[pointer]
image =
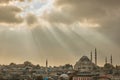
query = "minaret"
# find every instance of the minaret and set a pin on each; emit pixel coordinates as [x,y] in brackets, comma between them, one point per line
[106,60]
[111,60]
[46,66]
[91,56]
[95,56]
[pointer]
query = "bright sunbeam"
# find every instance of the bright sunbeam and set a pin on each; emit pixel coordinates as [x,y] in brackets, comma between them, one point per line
[75,39]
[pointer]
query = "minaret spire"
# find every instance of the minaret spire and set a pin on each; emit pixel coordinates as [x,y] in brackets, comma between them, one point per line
[95,56]
[111,60]
[46,63]
[91,56]
[106,60]
[46,66]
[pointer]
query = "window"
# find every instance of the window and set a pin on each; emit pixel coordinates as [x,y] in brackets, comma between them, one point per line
[83,67]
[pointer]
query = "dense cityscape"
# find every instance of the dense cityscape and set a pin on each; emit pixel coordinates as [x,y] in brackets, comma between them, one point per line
[84,69]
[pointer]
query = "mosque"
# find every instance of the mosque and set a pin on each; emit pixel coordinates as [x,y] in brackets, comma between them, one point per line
[88,69]
[85,64]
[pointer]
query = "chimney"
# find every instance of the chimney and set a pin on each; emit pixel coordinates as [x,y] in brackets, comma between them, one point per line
[95,56]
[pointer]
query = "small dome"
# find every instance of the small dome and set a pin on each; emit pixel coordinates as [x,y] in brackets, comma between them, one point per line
[65,76]
[108,65]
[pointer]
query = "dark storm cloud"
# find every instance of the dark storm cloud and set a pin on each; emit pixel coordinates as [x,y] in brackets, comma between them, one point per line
[77,10]
[7,1]
[4,1]
[31,19]
[9,14]
[102,12]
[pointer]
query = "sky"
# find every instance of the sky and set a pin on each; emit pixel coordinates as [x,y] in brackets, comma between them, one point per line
[61,31]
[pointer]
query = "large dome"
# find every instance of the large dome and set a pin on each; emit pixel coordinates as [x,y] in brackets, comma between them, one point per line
[84,58]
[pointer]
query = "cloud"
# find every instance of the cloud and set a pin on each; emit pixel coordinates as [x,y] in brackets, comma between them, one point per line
[10,14]
[74,11]
[4,1]
[100,12]
[31,19]
[70,11]
[57,17]
[7,1]
[16,14]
